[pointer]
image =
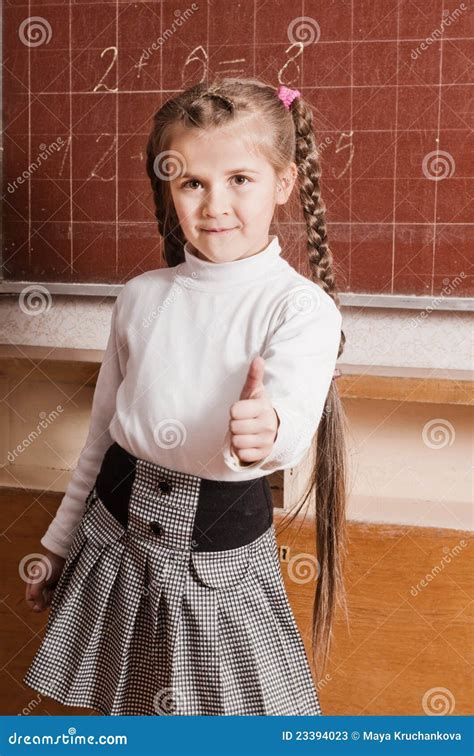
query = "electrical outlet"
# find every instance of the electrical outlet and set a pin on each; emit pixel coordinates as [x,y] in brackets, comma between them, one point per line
[284,553]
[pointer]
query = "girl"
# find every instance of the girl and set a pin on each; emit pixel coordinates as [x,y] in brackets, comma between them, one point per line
[162,562]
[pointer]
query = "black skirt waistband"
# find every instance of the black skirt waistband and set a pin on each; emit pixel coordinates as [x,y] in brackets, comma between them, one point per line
[228,514]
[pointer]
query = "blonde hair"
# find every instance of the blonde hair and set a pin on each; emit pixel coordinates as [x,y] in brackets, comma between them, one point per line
[287,136]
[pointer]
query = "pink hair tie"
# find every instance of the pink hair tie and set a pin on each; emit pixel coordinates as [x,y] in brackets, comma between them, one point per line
[287,95]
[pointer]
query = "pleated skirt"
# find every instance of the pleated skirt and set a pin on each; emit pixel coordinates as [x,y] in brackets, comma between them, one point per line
[159,612]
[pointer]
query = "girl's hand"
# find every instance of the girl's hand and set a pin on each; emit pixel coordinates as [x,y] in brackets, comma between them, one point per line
[40,593]
[254,423]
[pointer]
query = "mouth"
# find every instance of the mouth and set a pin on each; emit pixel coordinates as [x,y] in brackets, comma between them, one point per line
[218,230]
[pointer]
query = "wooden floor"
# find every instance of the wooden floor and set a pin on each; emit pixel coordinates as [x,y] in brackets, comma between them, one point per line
[408,648]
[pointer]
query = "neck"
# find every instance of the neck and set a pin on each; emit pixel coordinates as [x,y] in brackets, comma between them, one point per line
[246,270]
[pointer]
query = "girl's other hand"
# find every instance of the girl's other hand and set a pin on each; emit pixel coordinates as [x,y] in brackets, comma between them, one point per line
[254,422]
[39,593]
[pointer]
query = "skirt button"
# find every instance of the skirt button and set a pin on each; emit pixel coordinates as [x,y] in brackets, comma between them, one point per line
[164,486]
[156,527]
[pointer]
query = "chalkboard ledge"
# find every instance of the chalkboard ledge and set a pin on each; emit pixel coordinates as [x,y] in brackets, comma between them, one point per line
[357,381]
[348,299]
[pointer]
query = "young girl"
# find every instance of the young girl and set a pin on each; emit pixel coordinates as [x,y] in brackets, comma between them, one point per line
[167,593]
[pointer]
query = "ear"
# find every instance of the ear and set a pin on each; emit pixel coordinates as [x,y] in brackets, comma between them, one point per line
[285,183]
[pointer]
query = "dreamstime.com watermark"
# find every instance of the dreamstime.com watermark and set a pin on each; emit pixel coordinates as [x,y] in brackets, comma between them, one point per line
[448,288]
[438,433]
[303,30]
[292,448]
[30,706]
[67,738]
[168,701]
[447,558]
[303,299]
[437,33]
[324,682]
[175,292]
[175,26]
[438,165]
[35,299]
[44,423]
[327,142]
[438,702]
[46,151]
[35,31]
[303,568]
[170,433]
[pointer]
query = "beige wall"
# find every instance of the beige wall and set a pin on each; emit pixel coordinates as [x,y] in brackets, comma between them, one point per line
[409,462]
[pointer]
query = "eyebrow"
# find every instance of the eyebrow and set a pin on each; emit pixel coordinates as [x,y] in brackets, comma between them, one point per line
[228,173]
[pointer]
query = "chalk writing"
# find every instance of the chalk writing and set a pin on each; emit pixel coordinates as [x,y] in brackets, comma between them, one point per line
[101,83]
[104,157]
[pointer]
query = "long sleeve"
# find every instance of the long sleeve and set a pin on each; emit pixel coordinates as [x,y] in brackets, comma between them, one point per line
[300,358]
[60,532]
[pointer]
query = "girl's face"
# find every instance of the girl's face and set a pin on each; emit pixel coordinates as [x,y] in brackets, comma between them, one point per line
[224,186]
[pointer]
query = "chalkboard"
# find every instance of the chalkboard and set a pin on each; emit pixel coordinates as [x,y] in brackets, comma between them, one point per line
[389,81]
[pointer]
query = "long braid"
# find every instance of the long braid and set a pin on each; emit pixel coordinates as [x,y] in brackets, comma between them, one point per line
[314,209]
[329,476]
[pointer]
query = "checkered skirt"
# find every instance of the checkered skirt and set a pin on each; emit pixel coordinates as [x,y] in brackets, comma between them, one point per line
[144,625]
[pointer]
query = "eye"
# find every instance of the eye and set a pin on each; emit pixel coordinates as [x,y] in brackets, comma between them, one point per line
[243,177]
[237,176]
[191,181]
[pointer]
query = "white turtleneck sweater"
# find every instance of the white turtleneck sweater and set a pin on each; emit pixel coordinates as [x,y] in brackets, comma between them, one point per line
[180,344]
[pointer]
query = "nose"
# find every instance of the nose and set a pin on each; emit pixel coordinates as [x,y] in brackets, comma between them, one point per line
[215,203]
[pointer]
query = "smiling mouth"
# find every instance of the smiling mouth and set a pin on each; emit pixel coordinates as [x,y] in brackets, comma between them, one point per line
[217,230]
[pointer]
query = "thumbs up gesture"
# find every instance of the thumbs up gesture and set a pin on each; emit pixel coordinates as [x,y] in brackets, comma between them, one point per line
[254,423]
